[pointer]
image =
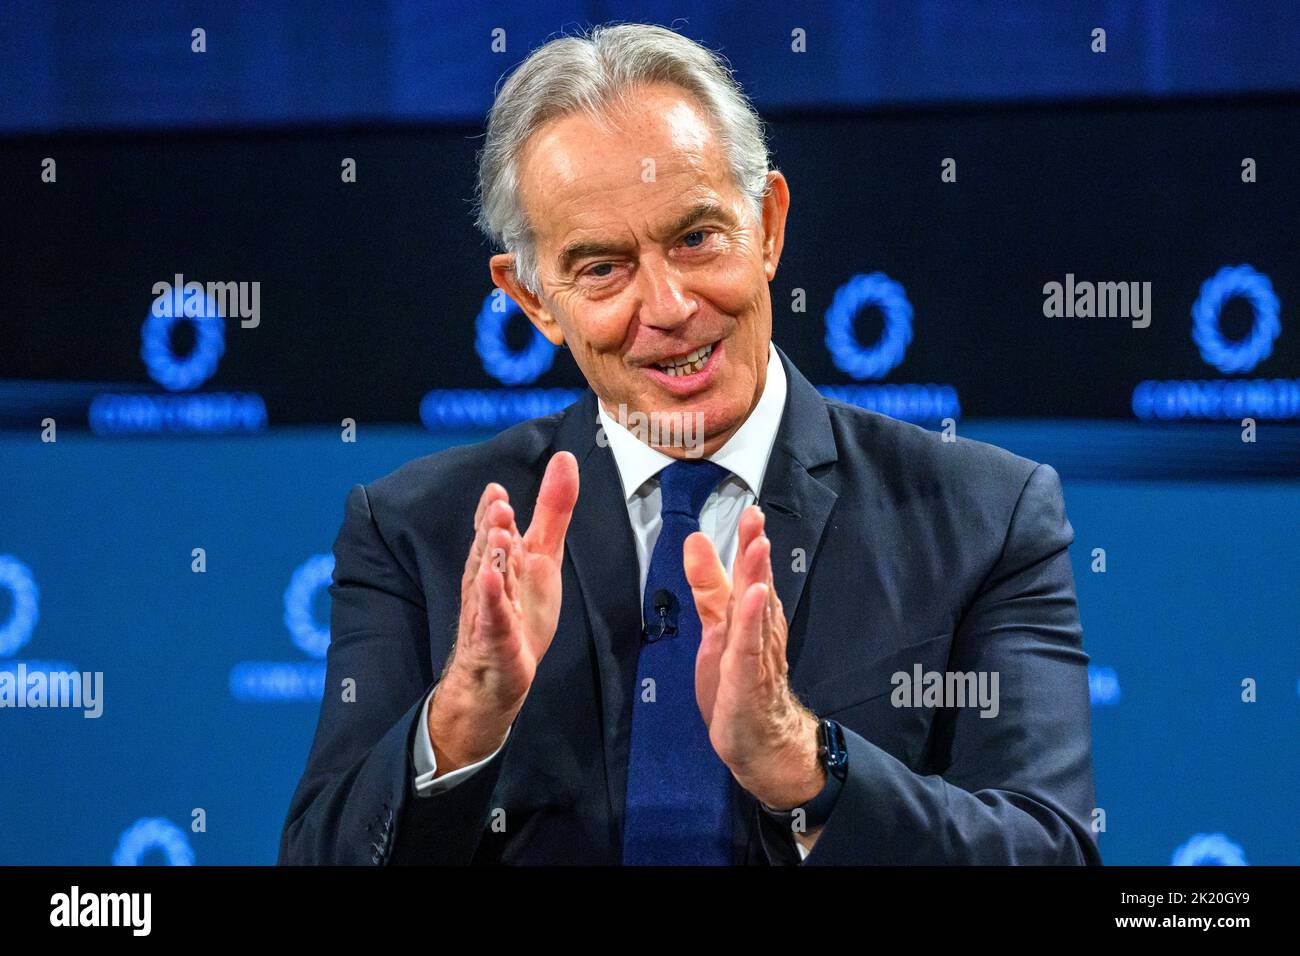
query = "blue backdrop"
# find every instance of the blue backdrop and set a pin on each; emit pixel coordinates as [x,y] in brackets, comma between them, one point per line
[1199,593]
[82,64]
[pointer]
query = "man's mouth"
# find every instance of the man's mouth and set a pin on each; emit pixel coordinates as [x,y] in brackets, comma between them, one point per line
[687,364]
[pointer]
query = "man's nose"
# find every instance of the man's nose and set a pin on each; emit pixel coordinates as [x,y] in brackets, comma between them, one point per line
[665,301]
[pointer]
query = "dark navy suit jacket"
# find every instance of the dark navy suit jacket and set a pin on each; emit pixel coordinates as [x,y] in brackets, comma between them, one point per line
[950,555]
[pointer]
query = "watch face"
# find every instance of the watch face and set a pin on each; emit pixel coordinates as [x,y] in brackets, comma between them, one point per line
[832,751]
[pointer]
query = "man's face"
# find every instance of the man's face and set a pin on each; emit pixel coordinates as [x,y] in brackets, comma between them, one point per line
[649,255]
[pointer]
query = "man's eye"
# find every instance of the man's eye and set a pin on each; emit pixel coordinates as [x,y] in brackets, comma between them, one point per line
[702,233]
[600,265]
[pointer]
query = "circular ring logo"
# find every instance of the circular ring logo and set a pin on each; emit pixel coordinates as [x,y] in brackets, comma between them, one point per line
[1209,849]
[153,833]
[507,367]
[16,578]
[312,575]
[847,352]
[1255,288]
[174,373]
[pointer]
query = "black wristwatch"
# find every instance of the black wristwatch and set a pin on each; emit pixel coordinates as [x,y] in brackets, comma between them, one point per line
[834,758]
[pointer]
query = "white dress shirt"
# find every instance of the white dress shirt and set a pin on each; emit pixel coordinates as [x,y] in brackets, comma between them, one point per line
[745,456]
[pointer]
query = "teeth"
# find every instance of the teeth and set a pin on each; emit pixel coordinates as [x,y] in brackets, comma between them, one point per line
[688,364]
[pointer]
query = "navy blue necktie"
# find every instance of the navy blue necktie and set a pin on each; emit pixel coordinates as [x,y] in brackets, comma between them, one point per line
[678,790]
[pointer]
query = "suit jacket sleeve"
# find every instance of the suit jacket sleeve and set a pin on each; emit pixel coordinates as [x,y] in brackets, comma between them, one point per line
[356,802]
[1016,788]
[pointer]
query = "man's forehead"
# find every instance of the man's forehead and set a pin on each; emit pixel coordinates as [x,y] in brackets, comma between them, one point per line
[643,210]
[577,175]
[661,122]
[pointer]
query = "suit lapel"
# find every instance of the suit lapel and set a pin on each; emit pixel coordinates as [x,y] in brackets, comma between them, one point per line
[602,550]
[797,498]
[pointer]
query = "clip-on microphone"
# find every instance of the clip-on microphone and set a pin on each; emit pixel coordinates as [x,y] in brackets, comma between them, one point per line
[665,605]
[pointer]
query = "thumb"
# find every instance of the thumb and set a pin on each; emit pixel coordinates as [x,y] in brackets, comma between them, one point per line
[556,499]
[707,578]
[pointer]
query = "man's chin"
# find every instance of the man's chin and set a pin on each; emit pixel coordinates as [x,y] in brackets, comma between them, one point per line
[713,430]
[680,429]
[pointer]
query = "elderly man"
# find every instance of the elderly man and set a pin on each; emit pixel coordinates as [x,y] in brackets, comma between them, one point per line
[708,654]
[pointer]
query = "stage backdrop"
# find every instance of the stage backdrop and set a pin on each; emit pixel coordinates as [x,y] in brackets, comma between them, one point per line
[211,681]
[1096,261]
[1110,287]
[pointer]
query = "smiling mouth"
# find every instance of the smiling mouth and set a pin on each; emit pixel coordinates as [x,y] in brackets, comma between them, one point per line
[687,364]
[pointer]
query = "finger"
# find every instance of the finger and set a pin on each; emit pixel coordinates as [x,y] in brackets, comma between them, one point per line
[501,544]
[516,580]
[497,515]
[742,658]
[710,590]
[774,638]
[556,499]
[754,566]
[483,515]
[752,521]
[506,519]
[774,599]
[708,664]
[491,492]
[775,632]
[493,609]
[707,578]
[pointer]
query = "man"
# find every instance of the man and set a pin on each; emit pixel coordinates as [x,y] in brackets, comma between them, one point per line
[700,656]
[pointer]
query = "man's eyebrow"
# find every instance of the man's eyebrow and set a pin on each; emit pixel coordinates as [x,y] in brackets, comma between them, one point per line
[704,209]
[578,251]
[590,249]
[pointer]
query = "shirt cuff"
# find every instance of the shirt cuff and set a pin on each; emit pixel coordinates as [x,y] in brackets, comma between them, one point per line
[426,764]
[789,834]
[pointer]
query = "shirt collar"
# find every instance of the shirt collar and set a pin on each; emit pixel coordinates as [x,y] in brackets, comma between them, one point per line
[745,454]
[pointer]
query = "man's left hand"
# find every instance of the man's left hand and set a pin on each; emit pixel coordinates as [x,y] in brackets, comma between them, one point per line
[756,724]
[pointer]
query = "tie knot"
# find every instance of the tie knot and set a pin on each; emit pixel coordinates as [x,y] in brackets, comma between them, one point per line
[685,486]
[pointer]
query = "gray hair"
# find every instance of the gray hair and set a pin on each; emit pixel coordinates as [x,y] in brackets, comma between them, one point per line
[594,73]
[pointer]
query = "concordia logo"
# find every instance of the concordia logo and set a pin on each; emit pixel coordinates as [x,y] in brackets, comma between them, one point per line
[293,680]
[153,833]
[1226,399]
[172,412]
[446,410]
[1209,849]
[912,403]
[16,630]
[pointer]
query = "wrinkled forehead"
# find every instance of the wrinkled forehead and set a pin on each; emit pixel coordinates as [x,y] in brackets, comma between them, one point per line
[651,155]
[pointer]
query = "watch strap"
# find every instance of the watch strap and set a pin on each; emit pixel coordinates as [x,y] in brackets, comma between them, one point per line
[833,756]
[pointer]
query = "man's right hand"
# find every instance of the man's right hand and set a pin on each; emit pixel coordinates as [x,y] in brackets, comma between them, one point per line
[509,610]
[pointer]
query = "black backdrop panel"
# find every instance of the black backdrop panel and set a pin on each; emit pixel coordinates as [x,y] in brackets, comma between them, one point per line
[369,291]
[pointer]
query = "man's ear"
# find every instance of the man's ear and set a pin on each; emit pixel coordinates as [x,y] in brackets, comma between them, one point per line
[776,205]
[502,267]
